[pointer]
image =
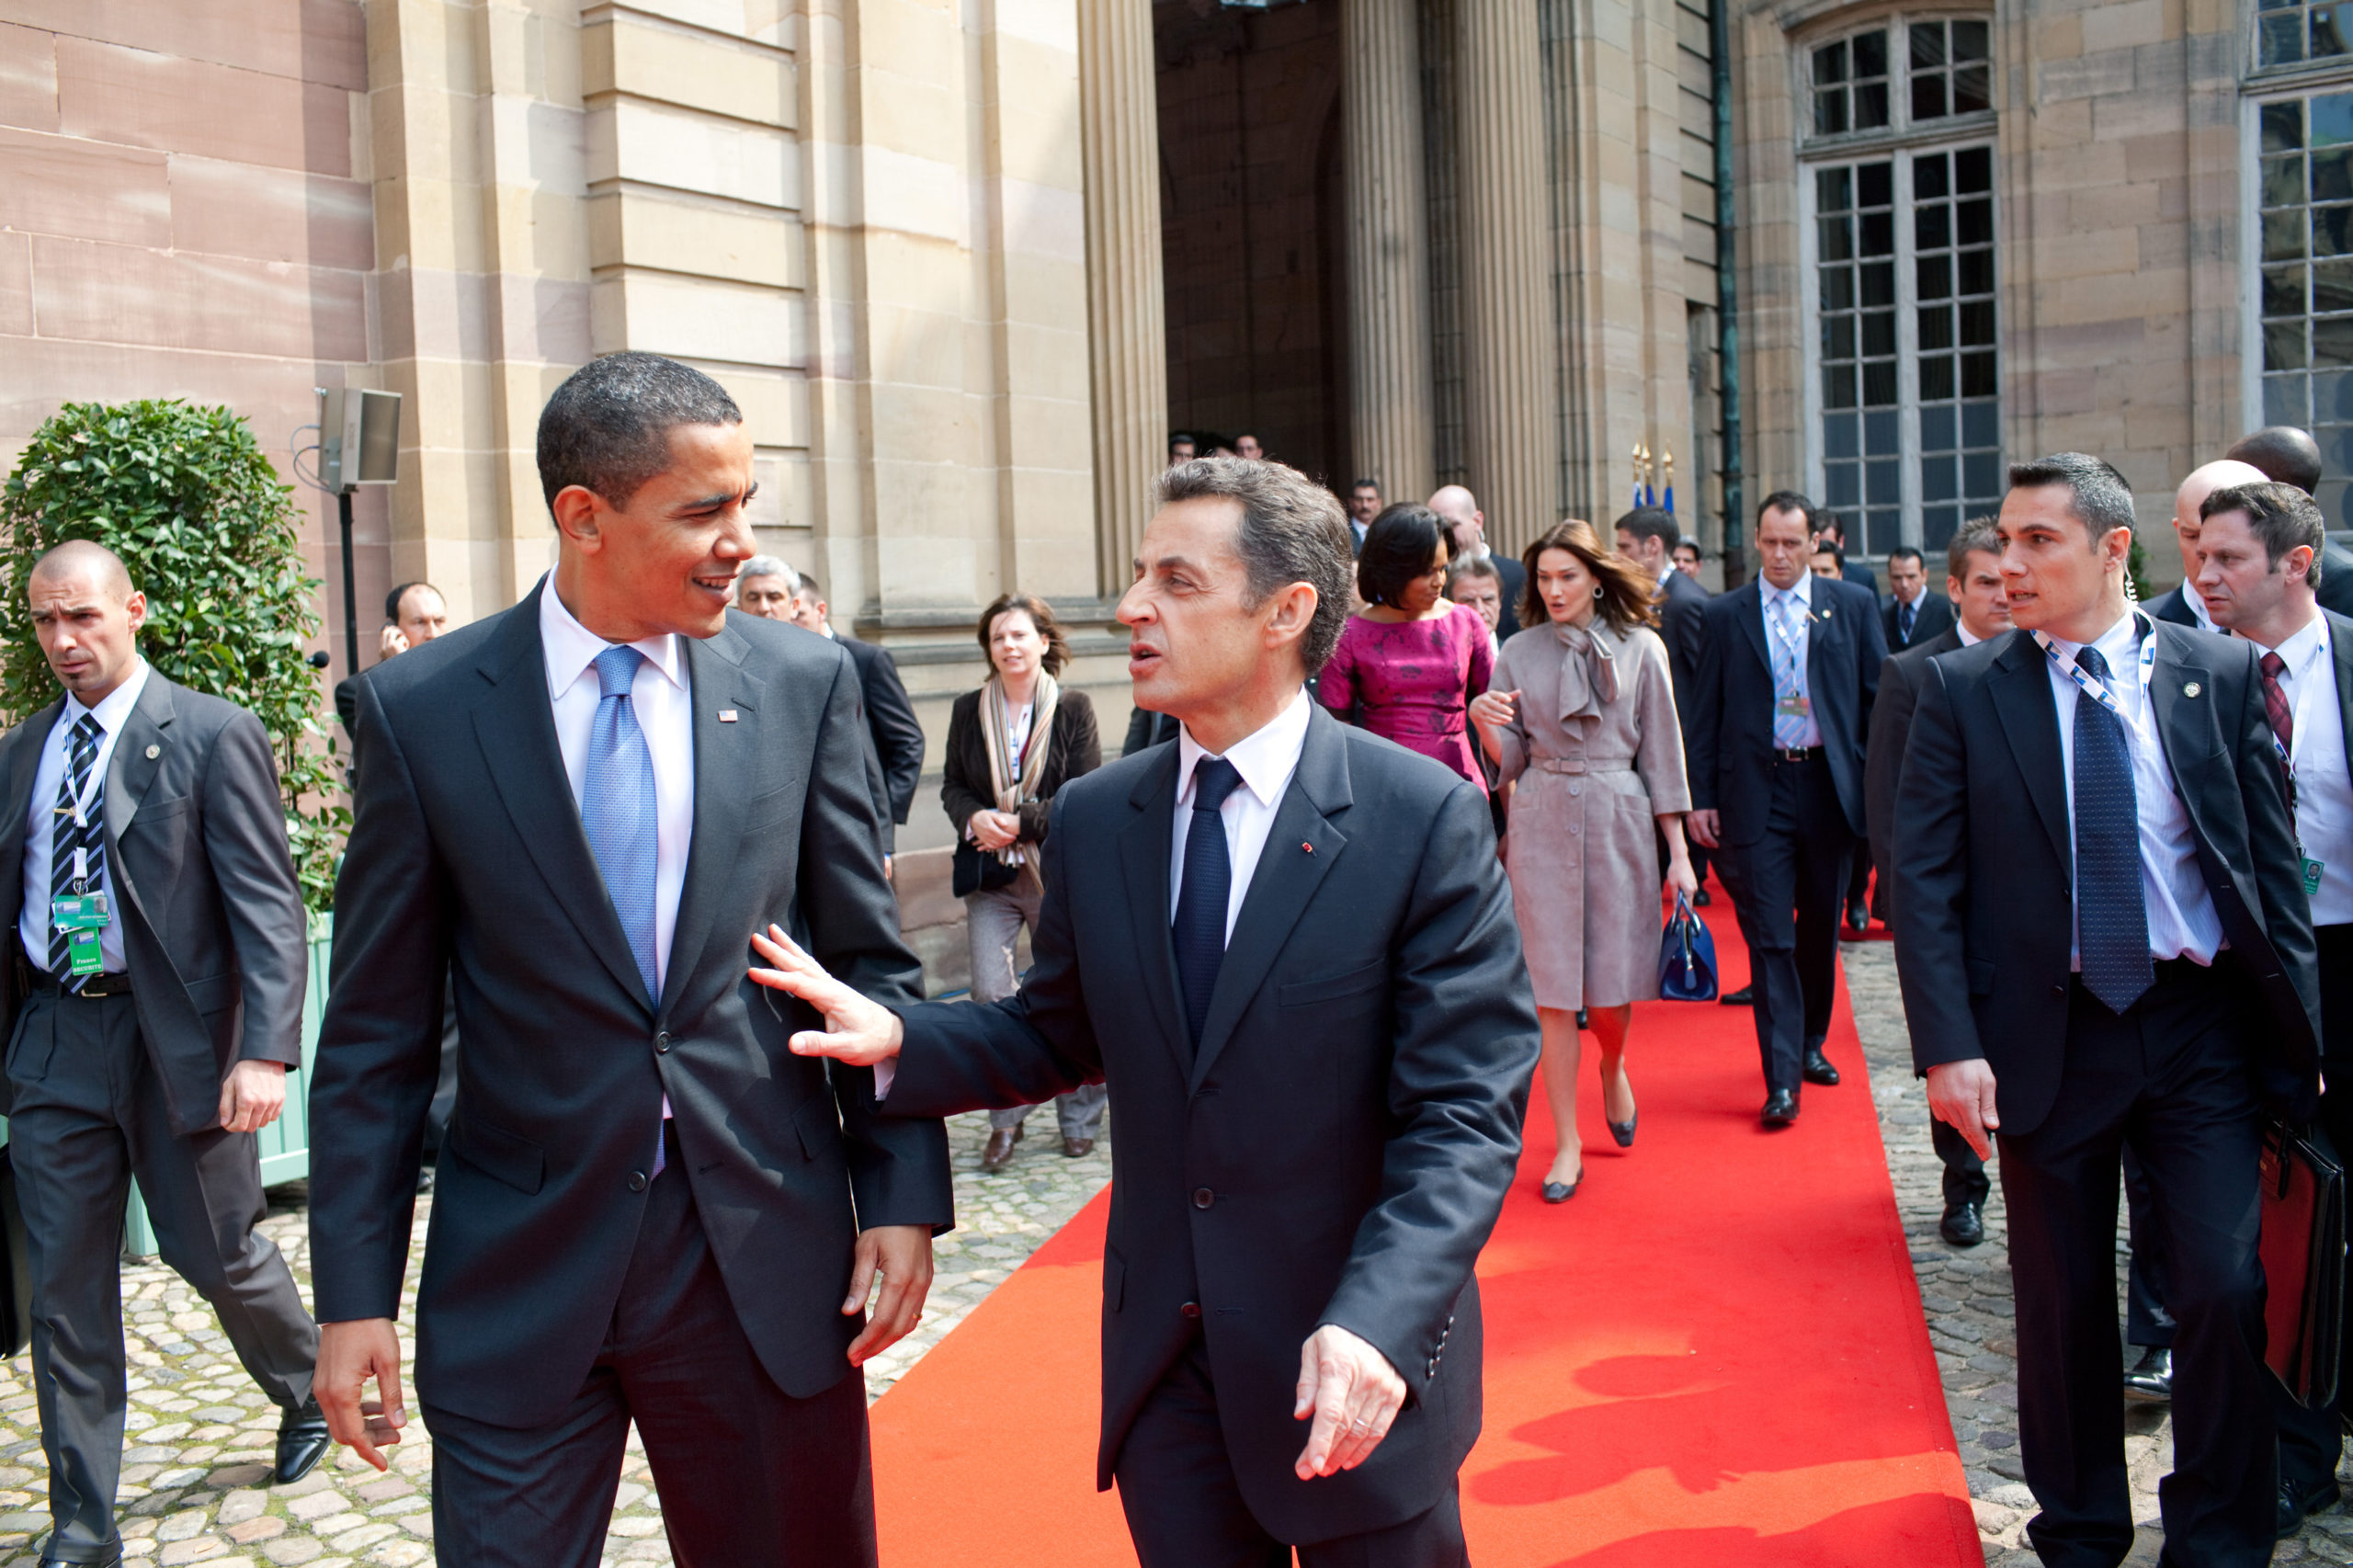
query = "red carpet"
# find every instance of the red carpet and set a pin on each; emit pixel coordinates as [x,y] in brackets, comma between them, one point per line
[1713,1354]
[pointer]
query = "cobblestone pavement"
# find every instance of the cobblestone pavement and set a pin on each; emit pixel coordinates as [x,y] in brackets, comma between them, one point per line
[1966,1292]
[201,1437]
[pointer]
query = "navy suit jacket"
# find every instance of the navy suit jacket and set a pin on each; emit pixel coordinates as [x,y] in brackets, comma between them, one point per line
[1985,874]
[1731,726]
[1336,1148]
[1930,620]
[1683,626]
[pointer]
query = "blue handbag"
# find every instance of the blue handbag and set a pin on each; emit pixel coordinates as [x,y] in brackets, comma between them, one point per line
[1687,957]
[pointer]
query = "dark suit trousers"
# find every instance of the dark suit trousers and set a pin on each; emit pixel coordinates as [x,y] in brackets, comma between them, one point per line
[1801,864]
[2172,1078]
[2312,1441]
[89,1115]
[1185,1509]
[749,1476]
[1965,1178]
[2146,1322]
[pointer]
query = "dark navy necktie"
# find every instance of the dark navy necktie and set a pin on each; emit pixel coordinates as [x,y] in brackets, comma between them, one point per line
[1904,618]
[79,824]
[2111,919]
[1200,931]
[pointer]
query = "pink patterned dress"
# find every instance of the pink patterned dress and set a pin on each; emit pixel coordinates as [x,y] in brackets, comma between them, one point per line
[1412,682]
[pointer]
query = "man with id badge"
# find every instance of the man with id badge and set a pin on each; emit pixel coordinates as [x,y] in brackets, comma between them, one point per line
[2259,575]
[156,1002]
[2099,920]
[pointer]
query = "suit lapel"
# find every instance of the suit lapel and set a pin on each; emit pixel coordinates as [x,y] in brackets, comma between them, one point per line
[516,724]
[726,758]
[2340,653]
[1822,629]
[139,754]
[1145,846]
[2020,688]
[1287,874]
[1751,616]
[2181,698]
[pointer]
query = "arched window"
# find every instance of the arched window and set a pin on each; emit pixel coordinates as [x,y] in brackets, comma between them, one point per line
[1903,397]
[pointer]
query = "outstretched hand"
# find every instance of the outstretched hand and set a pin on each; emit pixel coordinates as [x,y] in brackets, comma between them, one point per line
[856,1031]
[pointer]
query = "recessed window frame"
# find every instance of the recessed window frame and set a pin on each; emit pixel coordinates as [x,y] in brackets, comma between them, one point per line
[1900,122]
[2292,85]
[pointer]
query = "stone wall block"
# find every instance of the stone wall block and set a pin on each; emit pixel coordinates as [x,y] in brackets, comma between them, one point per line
[16,285]
[27,78]
[62,186]
[320,40]
[690,70]
[271,214]
[110,94]
[124,294]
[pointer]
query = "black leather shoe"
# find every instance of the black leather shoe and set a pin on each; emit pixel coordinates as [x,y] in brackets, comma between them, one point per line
[303,1441]
[1858,919]
[2151,1378]
[1702,899]
[1740,998]
[998,1153]
[106,1557]
[1623,1131]
[1780,1108]
[1962,1225]
[1562,1191]
[1077,1148]
[1818,1069]
[2298,1503]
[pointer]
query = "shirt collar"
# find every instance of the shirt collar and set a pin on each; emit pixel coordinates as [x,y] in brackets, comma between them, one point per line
[2309,643]
[113,709]
[1801,591]
[1967,639]
[2119,644]
[572,648]
[1265,758]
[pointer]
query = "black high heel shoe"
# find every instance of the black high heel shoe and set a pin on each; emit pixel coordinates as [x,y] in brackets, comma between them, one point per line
[1562,1191]
[1623,1131]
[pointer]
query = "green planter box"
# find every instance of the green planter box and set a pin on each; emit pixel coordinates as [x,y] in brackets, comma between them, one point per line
[286,1143]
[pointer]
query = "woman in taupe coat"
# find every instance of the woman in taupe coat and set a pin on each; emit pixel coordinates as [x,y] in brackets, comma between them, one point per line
[1580,721]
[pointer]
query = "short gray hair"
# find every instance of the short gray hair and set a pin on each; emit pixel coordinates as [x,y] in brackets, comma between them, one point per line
[2102,500]
[769,566]
[2281,515]
[1292,531]
[607,428]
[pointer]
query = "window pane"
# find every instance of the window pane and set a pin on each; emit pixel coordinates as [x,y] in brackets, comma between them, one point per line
[1838,287]
[2332,343]
[1839,338]
[1833,190]
[1839,386]
[1980,426]
[2283,290]
[1839,244]
[1878,233]
[1830,62]
[1932,225]
[2332,120]
[1870,54]
[1977,324]
[2283,400]
[1882,435]
[1927,97]
[1874,184]
[1977,378]
[1845,483]
[2283,127]
[2332,398]
[1936,376]
[1937,525]
[1879,283]
[1973,169]
[2283,237]
[1838,437]
[1879,384]
[1976,271]
[1981,474]
[2283,180]
[2332,231]
[1830,112]
[1969,42]
[1879,334]
[2280,40]
[1928,44]
[1975,221]
[1936,427]
[1936,329]
[2283,345]
[1870,106]
[1882,482]
[2328,37]
[1939,479]
[1931,176]
[1934,276]
[1973,89]
[1883,531]
[2331,175]
[2332,288]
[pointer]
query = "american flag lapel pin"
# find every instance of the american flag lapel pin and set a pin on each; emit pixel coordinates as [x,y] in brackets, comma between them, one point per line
[727,715]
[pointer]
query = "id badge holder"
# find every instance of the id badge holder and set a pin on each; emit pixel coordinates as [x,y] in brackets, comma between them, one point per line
[81,916]
[2311,870]
[1793,706]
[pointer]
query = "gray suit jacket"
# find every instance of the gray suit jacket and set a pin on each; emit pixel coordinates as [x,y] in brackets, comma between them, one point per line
[212,923]
[468,859]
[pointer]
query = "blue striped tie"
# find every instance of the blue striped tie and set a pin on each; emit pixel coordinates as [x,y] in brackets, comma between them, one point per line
[1788,729]
[76,829]
[618,811]
[2111,916]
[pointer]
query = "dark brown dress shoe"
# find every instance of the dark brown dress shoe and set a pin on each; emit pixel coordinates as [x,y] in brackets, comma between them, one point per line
[1078,1148]
[999,1152]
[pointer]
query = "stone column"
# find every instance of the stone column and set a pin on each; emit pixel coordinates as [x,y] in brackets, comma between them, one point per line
[1510,399]
[1126,318]
[1392,410]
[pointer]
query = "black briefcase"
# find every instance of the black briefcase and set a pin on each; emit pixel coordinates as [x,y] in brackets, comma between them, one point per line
[2303,1264]
[17,1299]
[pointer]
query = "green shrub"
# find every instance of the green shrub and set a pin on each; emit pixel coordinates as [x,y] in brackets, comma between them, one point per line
[186,497]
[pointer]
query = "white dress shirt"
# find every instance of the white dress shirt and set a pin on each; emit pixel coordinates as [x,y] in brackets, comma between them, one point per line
[112,712]
[665,711]
[2182,922]
[1803,619]
[2323,787]
[1265,759]
[1969,639]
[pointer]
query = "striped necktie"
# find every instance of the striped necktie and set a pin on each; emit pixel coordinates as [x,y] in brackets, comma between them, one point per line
[2111,911]
[1788,729]
[78,845]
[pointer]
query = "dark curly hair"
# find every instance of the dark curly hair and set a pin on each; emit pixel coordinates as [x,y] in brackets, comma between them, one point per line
[1400,545]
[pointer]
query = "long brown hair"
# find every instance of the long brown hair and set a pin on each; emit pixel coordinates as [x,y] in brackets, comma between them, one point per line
[1057,652]
[1628,595]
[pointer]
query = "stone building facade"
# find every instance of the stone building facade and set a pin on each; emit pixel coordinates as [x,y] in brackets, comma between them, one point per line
[965,264]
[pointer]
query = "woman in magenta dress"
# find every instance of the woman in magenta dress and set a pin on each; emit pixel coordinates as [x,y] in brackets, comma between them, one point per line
[1409,663]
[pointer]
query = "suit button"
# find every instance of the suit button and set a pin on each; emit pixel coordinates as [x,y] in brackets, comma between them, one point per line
[1190,1309]
[637,1181]
[662,1043]
[2058,991]
[1203,1198]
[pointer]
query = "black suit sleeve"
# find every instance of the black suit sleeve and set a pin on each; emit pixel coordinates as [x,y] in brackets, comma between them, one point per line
[380,1053]
[958,791]
[1463,1053]
[1883,762]
[1684,619]
[245,842]
[898,736]
[1872,655]
[898,1168]
[1705,731]
[1932,881]
[2284,909]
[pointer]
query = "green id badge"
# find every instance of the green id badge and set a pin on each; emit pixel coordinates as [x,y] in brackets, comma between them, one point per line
[1793,706]
[79,912]
[2313,868]
[82,952]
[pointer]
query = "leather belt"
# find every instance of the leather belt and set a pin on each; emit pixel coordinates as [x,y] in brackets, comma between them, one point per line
[1574,766]
[1797,753]
[92,985]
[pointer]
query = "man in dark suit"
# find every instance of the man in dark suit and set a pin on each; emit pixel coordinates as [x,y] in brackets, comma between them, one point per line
[1466,529]
[890,716]
[2180,603]
[2257,552]
[1973,582]
[1364,504]
[1912,614]
[1648,536]
[414,614]
[155,1004]
[1324,1059]
[2093,818]
[2289,456]
[1831,529]
[1146,728]
[649,1210]
[1784,696]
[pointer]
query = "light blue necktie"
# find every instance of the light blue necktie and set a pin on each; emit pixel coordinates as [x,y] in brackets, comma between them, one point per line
[617,808]
[1788,729]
